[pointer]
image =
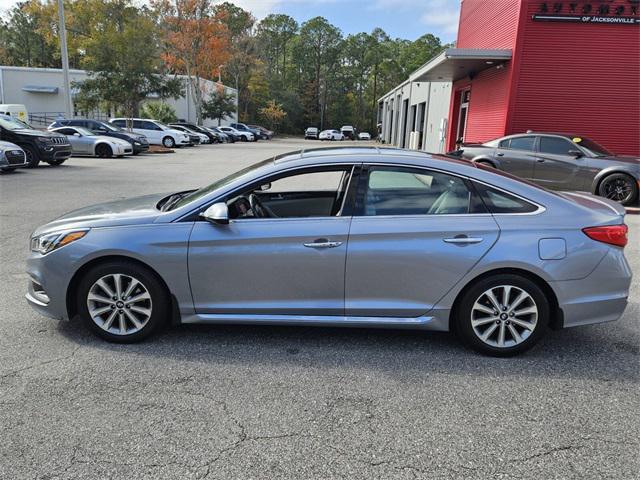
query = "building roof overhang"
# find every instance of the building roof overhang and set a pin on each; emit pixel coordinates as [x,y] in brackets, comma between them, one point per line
[457,63]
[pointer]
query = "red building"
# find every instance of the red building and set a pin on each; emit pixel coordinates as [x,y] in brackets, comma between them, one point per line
[562,66]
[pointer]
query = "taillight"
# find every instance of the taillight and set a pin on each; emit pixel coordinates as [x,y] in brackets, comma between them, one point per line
[611,234]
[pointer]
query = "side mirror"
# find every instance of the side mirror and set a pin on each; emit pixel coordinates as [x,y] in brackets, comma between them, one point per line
[218,213]
[76,134]
[265,186]
[576,153]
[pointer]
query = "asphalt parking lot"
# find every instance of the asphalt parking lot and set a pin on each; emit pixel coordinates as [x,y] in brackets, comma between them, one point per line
[241,402]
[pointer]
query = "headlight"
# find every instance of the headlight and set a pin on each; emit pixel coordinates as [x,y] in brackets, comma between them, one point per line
[44,139]
[137,143]
[50,241]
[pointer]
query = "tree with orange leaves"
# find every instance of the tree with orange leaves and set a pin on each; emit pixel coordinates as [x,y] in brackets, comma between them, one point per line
[196,43]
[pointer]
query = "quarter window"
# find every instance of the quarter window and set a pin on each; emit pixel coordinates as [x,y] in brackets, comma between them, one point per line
[556,146]
[498,201]
[407,191]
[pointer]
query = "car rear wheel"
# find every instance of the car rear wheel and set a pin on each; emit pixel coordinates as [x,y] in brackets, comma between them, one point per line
[619,187]
[33,160]
[502,315]
[122,302]
[168,142]
[103,151]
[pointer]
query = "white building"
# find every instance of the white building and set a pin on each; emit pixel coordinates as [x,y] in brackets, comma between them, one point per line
[41,91]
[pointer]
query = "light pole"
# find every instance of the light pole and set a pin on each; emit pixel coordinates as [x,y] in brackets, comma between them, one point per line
[62,31]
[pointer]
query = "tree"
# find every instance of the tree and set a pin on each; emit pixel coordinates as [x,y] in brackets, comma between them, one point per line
[196,42]
[220,106]
[123,59]
[273,114]
[274,34]
[160,111]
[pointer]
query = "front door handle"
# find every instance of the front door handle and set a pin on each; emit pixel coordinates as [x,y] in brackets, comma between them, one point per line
[463,240]
[499,154]
[322,243]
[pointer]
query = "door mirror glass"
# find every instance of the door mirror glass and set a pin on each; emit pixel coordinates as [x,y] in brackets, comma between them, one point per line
[575,153]
[76,134]
[217,213]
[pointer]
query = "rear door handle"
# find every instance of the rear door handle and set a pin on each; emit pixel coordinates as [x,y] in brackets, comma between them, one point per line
[499,154]
[322,243]
[463,240]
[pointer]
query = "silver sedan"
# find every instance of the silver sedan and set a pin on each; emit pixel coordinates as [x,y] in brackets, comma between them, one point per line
[85,142]
[346,237]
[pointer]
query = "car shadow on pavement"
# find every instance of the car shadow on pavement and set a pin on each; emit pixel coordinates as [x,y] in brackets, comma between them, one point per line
[582,352]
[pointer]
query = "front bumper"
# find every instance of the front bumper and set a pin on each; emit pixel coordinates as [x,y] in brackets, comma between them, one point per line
[13,159]
[55,152]
[143,147]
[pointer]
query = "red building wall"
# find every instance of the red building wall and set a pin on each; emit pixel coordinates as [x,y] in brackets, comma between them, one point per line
[565,77]
[492,25]
[578,78]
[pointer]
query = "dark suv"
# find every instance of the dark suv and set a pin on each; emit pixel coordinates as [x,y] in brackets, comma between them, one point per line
[196,128]
[138,142]
[38,146]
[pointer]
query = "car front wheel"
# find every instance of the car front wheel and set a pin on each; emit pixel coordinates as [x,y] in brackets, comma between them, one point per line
[619,187]
[168,142]
[502,315]
[122,302]
[33,160]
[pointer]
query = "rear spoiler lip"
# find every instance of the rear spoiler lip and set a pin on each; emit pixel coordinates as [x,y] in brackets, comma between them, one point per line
[616,208]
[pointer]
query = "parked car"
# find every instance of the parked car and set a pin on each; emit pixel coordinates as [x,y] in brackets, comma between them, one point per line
[195,137]
[85,142]
[11,157]
[245,128]
[331,135]
[199,129]
[222,137]
[139,143]
[265,133]
[364,136]
[561,162]
[311,133]
[38,145]
[348,131]
[156,132]
[381,237]
[245,136]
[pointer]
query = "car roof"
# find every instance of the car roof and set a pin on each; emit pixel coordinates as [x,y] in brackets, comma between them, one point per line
[555,134]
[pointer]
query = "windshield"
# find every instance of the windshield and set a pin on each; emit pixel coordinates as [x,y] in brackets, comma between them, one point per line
[163,126]
[11,123]
[594,148]
[193,196]
[110,127]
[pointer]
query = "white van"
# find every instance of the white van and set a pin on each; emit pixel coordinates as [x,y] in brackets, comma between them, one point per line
[15,110]
[156,132]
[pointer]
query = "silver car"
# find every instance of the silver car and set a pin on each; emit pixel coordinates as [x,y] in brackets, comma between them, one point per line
[85,142]
[11,157]
[341,236]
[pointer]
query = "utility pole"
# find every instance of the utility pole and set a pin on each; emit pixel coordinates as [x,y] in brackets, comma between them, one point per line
[62,31]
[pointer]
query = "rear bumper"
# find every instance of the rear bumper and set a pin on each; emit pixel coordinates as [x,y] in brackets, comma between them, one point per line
[600,297]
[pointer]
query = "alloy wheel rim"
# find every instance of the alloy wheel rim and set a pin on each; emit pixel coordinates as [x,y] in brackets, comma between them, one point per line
[504,316]
[119,304]
[618,189]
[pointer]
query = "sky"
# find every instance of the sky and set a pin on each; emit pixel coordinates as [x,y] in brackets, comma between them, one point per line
[408,19]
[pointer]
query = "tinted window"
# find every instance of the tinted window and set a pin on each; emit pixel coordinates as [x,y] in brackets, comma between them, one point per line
[120,123]
[522,143]
[149,126]
[498,201]
[556,146]
[407,191]
[505,143]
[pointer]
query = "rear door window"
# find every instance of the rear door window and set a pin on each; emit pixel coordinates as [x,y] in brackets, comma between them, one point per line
[522,143]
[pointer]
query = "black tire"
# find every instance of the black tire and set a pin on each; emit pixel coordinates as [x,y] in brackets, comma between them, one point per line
[619,187]
[160,303]
[462,315]
[243,138]
[33,159]
[168,142]
[56,162]
[103,150]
